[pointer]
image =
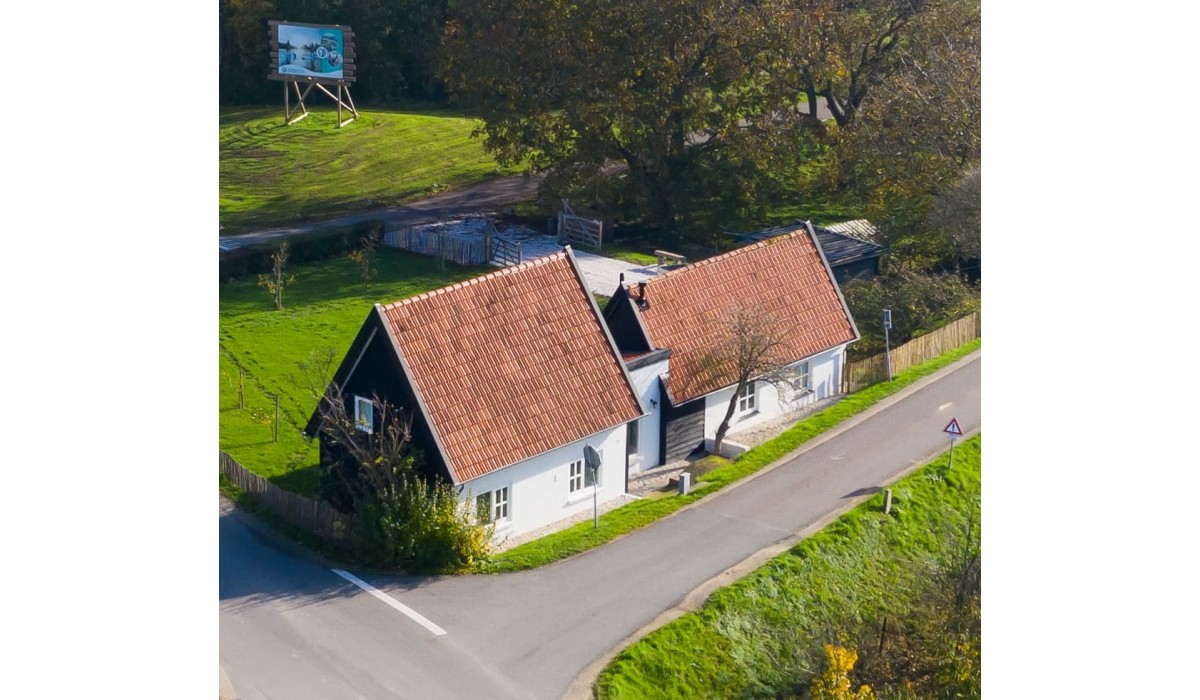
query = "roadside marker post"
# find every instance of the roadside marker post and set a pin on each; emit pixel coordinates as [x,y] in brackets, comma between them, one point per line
[887,344]
[954,432]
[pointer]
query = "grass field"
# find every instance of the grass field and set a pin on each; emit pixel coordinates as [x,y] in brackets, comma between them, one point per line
[323,309]
[762,636]
[271,174]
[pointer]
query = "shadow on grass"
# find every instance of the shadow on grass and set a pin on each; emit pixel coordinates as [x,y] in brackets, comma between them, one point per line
[865,491]
[303,480]
[246,444]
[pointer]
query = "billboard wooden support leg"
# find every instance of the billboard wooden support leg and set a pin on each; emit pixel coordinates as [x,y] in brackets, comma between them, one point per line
[291,116]
[348,103]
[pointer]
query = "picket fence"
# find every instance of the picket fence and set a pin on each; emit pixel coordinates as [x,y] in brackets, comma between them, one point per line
[313,516]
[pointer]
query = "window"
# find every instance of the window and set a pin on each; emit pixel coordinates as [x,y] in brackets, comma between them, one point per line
[492,506]
[364,414]
[746,398]
[804,379]
[631,438]
[576,476]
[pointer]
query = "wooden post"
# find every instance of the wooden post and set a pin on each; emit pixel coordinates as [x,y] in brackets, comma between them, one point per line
[287,110]
[241,387]
[882,634]
[275,437]
[887,501]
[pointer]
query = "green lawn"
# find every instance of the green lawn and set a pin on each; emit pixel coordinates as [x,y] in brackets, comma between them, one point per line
[271,174]
[583,536]
[762,636]
[323,309]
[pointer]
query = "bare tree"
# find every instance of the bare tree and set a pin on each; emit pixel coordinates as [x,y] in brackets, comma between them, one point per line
[364,256]
[277,280]
[376,442]
[315,372]
[748,348]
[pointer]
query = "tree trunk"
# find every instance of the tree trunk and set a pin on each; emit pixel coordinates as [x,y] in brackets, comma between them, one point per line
[724,426]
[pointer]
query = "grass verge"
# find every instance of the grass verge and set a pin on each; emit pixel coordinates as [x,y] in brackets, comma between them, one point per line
[761,636]
[620,521]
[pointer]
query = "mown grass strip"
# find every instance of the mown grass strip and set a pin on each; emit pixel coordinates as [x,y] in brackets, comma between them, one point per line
[271,174]
[583,536]
[761,636]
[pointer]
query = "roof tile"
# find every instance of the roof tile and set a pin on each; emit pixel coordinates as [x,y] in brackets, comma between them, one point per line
[512,364]
[786,275]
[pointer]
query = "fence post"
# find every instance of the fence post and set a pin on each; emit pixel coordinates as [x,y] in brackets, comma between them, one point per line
[275,437]
[241,387]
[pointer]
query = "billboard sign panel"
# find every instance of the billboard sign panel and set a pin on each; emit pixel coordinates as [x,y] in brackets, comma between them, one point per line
[318,53]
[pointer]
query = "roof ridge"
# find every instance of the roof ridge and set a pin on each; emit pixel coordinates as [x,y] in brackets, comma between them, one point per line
[800,226]
[513,269]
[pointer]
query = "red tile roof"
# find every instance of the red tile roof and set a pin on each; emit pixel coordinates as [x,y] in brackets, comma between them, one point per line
[786,275]
[512,364]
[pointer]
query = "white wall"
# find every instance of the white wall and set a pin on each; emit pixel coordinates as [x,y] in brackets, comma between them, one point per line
[538,487]
[647,386]
[826,371]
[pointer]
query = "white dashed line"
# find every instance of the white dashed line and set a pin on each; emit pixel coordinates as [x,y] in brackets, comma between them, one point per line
[412,614]
[945,406]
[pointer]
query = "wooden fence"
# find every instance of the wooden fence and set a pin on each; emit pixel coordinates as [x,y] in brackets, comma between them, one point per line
[873,370]
[579,230]
[463,250]
[314,516]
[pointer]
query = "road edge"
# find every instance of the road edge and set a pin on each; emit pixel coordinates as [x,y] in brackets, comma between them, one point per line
[581,687]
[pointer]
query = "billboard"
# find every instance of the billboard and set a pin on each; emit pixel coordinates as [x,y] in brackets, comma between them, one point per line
[311,52]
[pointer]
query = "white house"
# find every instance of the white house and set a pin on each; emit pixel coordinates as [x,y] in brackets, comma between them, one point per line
[508,377]
[666,329]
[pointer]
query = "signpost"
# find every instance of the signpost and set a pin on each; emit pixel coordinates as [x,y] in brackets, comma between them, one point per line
[591,462]
[887,345]
[954,432]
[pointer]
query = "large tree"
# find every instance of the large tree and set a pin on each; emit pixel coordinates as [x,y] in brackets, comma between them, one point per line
[918,139]
[665,88]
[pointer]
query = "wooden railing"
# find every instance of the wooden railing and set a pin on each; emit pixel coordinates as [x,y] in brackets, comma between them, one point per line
[873,370]
[313,516]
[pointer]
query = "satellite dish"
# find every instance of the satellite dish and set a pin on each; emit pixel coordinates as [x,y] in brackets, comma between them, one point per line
[591,458]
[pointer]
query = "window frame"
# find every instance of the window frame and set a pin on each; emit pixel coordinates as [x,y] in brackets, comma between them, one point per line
[487,503]
[805,375]
[747,402]
[368,425]
[575,471]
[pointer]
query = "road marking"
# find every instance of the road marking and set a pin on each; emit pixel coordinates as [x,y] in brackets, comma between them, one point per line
[412,614]
[945,406]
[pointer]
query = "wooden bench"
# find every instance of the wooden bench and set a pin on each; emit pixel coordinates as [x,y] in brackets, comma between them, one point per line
[663,256]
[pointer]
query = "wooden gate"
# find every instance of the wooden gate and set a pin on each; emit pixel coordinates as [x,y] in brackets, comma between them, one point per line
[579,230]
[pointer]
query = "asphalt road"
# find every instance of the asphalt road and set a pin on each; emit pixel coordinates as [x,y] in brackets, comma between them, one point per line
[291,628]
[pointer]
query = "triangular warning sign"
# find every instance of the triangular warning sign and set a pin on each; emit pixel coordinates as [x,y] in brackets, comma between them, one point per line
[952,429]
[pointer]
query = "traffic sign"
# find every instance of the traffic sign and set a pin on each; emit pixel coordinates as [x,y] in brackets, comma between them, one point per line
[952,429]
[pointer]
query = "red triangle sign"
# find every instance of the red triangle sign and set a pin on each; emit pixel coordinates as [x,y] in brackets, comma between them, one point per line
[952,429]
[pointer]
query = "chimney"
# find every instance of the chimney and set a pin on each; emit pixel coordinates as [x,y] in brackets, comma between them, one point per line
[642,296]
